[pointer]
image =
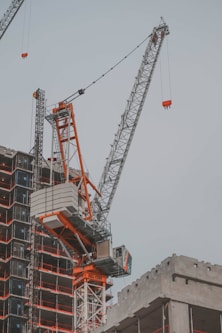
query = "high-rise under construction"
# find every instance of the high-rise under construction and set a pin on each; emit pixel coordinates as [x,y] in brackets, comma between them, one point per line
[42,302]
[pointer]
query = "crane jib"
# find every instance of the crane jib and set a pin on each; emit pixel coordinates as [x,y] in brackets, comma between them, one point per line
[9,16]
[126,129]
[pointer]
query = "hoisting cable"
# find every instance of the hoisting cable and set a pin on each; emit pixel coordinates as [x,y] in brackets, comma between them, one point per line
[82,91]
[166,103]
[23,32]
[169,76]
[26,29]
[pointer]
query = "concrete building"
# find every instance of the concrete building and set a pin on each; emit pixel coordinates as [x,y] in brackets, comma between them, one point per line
[181,295]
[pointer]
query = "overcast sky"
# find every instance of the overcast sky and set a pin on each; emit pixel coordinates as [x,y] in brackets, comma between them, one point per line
[169,196]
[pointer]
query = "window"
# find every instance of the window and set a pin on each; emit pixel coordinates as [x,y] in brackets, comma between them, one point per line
[21,213]
[23,162]
[16,325]
[17,287]
[18,268]
[118,252]
[21,195]
[21,232]
[16,306]
[22,178]
[18,250]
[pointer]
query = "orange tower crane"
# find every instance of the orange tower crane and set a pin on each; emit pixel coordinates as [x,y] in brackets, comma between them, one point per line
[66,212]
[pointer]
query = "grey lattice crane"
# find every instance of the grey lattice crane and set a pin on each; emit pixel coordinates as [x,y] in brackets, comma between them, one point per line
[129,120]
[9,15]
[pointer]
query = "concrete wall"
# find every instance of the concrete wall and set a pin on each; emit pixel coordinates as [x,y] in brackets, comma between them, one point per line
[178,280]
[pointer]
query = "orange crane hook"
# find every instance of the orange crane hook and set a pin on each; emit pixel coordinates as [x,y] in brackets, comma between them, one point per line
[24,55]
[167,104]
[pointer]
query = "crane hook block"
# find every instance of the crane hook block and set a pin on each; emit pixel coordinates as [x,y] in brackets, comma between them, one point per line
[167,104]
[24,55]
[81,91]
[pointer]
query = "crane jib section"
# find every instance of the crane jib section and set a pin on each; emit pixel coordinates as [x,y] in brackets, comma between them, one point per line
[129,120]
[9,15]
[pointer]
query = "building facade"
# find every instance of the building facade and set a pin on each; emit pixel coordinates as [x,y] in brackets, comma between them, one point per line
[180,295]
[36,280]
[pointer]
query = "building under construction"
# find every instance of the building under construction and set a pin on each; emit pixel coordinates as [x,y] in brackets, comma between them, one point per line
[179,295]
[30,297]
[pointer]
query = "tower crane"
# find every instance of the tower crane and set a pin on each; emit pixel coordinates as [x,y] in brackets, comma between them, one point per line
[66,212]
[9,16]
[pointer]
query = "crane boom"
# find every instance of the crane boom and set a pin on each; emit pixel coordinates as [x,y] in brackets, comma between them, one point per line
[9,15]
[129,120]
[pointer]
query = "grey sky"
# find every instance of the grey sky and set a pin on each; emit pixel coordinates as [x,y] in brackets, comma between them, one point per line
[169,197]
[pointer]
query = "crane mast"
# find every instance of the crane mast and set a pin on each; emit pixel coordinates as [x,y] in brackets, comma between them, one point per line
[39,95]
[129,120]
[9,15]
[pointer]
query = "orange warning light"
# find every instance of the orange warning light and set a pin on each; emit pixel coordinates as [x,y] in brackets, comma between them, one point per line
[35,95]
[167,104]
[24,55]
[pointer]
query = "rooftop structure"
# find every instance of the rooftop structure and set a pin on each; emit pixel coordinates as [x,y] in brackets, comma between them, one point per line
[181,295]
